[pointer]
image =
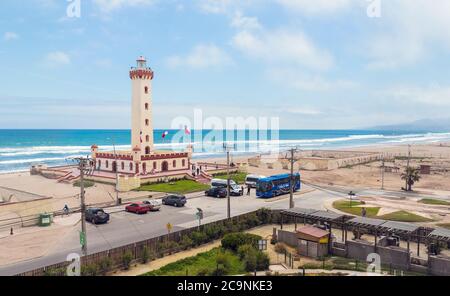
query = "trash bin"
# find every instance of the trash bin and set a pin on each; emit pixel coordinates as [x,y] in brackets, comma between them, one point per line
[45,220]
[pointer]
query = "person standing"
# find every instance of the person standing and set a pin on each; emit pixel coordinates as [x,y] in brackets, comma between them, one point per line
[249,189]
[363,212]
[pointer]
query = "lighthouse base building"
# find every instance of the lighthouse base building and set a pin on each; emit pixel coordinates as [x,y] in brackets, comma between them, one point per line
[142,164]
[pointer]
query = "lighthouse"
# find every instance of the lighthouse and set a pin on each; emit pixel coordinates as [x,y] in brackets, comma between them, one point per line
[141,108]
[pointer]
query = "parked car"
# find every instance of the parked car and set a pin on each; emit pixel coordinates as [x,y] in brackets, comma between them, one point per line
[218,192]
[153,205]
[174,200]
[96,216]
[236,190]
[137,208]
[252,180]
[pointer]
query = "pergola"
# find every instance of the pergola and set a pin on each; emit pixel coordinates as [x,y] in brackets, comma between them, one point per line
[383,227]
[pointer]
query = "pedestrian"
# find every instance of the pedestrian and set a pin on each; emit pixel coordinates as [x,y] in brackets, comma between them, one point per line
[198,171]
[242,189]
[249,189]
[12,231]
[363,212]
[66,210]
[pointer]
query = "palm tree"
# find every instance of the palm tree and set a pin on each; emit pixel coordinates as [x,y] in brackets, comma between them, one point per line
[411,176]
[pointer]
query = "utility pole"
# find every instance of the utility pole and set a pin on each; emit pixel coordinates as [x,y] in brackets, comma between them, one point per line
[228,184]
[291,181]
[382,173]
[83,165]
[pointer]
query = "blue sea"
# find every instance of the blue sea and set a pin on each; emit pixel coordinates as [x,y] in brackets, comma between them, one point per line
[19,149]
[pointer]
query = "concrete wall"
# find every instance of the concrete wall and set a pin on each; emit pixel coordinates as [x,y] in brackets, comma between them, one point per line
[439,266]
[288,237]
[359,249]
[395,257]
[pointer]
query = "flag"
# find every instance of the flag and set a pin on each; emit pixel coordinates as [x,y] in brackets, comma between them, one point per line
[165,134]
[186,130]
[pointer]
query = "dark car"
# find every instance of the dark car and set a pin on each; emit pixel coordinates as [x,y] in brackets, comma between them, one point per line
[174,200]
[96,216]
[137,208]
[218,192]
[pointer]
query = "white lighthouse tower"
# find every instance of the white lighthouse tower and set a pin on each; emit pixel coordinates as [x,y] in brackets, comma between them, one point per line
[141,108]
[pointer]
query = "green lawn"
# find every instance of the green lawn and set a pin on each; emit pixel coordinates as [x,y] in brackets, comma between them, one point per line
[203,262]
[354,209]
[238,177]
[87,183]
[404,216]
[430,201]
[180,187]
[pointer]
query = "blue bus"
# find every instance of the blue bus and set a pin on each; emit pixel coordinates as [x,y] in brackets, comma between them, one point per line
[276,185]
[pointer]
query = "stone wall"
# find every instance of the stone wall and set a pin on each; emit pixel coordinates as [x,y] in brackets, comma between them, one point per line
[439,266]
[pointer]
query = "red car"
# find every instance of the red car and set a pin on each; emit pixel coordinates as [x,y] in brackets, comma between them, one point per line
[137,208]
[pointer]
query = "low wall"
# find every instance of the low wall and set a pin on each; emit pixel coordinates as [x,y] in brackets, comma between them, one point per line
[359,249]
[439,266]
[288,237]
[395,257]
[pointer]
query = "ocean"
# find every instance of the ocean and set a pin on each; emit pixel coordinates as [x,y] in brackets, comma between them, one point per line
[19,149]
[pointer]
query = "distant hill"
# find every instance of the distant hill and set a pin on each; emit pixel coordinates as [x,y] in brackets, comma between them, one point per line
[426,125]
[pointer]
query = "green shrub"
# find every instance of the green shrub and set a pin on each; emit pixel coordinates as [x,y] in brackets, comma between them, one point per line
[90,270]
[147,255]
[199,237]
[262,260]
[203,272]
[251,221]
[55,271]
[213,231]
[264,215]
[233,241]
[127,257]
[244,250]
[186,242]
[105,265]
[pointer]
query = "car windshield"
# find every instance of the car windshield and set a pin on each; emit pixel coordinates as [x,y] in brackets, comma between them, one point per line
[252,179]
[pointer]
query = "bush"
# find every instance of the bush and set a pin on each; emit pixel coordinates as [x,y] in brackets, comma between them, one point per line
[213,231]
[90,270]
[233,241]
[186,242]
[262,260]
[203,272]
[55,271]
[264,215]
[105,265]
[147,255]
[251,221]
[127,257]
[244,250]
[199,237]
[280,248]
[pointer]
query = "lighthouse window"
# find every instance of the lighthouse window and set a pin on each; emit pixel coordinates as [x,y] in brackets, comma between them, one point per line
[147,122]
[146,89]
[146,106]
[147,150]
[147,138]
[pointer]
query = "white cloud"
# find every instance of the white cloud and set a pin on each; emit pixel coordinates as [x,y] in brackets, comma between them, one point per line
[9,36]
[409,31]
[282,46]
[57,58]
[433,95]
[225,6]
[111,5]
[317,6]
[242,22]
[202,56]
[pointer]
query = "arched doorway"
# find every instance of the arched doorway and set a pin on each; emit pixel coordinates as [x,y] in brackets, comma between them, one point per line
[114,167]
[165,166]
[147,150]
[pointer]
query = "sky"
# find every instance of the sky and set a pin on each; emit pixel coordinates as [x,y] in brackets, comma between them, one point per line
[318,64]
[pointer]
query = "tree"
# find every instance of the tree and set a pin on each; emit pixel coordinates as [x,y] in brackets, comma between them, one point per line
[411,176]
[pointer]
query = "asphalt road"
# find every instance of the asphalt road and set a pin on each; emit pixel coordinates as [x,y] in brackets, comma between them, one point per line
[125,228]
